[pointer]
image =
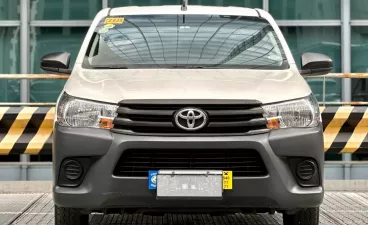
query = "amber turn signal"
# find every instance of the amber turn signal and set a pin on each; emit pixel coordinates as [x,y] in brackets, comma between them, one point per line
[273,123]
[106,123]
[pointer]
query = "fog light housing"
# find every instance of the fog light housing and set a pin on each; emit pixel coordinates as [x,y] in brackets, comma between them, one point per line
[73,170]
[306,169]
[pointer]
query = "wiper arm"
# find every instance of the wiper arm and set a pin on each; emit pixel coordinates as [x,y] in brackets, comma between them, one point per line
[188,67]
[110,67]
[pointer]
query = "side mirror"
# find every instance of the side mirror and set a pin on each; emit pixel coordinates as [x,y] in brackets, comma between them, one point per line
[315,64]
[56,63]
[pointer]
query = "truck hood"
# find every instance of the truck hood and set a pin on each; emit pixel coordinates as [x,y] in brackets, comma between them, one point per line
[113,86]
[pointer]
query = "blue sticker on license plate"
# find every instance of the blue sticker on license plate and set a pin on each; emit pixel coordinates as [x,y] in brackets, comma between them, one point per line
[152,179]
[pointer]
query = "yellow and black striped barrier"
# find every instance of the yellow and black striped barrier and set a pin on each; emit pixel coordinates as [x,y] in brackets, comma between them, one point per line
[345,129]
[28,130]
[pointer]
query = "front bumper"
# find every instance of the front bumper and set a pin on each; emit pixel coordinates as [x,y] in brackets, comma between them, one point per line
[100,189]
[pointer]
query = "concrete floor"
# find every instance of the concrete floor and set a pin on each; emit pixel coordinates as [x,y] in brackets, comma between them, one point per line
[338,208]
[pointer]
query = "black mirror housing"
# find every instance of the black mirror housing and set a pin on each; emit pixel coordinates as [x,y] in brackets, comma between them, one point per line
[315,64]
[56,63]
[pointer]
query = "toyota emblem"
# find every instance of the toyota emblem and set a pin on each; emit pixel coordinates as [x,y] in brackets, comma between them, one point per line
[191,119]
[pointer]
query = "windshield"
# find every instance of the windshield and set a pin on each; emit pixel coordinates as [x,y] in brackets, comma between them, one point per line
[185,41]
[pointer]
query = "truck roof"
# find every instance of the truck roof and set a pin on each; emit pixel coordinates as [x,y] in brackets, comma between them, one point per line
[191,9]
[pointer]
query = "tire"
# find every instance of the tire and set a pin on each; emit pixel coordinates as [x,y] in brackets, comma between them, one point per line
[304,217]
[70,216]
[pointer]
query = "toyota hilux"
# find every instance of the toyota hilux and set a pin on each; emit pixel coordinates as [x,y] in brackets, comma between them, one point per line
[187,109]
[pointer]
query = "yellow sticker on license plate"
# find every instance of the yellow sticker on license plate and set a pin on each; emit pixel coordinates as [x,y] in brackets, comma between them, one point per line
[227,180]
[114,20]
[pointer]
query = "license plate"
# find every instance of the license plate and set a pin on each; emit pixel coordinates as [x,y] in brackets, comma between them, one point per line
[189,183]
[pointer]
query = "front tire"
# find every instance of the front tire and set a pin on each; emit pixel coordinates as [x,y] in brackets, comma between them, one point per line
[304,217]
[70,216]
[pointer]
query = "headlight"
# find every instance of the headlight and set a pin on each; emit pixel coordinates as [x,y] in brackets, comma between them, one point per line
[74,112]
[296,113]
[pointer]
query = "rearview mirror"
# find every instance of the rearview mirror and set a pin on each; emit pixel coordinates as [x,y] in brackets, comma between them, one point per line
[56,63]
[315,64]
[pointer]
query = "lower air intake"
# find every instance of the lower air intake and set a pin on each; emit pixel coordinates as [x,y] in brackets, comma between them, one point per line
[243,162]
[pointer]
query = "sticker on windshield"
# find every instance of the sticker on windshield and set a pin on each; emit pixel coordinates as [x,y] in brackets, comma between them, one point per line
[103,30]
[109,26]
[114,20]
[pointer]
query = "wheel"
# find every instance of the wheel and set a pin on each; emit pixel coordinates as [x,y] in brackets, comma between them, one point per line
[304,217]
[70,216]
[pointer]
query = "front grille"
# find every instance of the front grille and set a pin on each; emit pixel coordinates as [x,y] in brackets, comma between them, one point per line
[152,117]
[243,162]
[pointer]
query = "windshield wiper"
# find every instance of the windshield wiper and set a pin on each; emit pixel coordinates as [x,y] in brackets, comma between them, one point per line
[189,67]
[110,67]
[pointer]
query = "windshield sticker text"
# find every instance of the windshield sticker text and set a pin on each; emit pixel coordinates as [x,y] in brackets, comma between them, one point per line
[114,20]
